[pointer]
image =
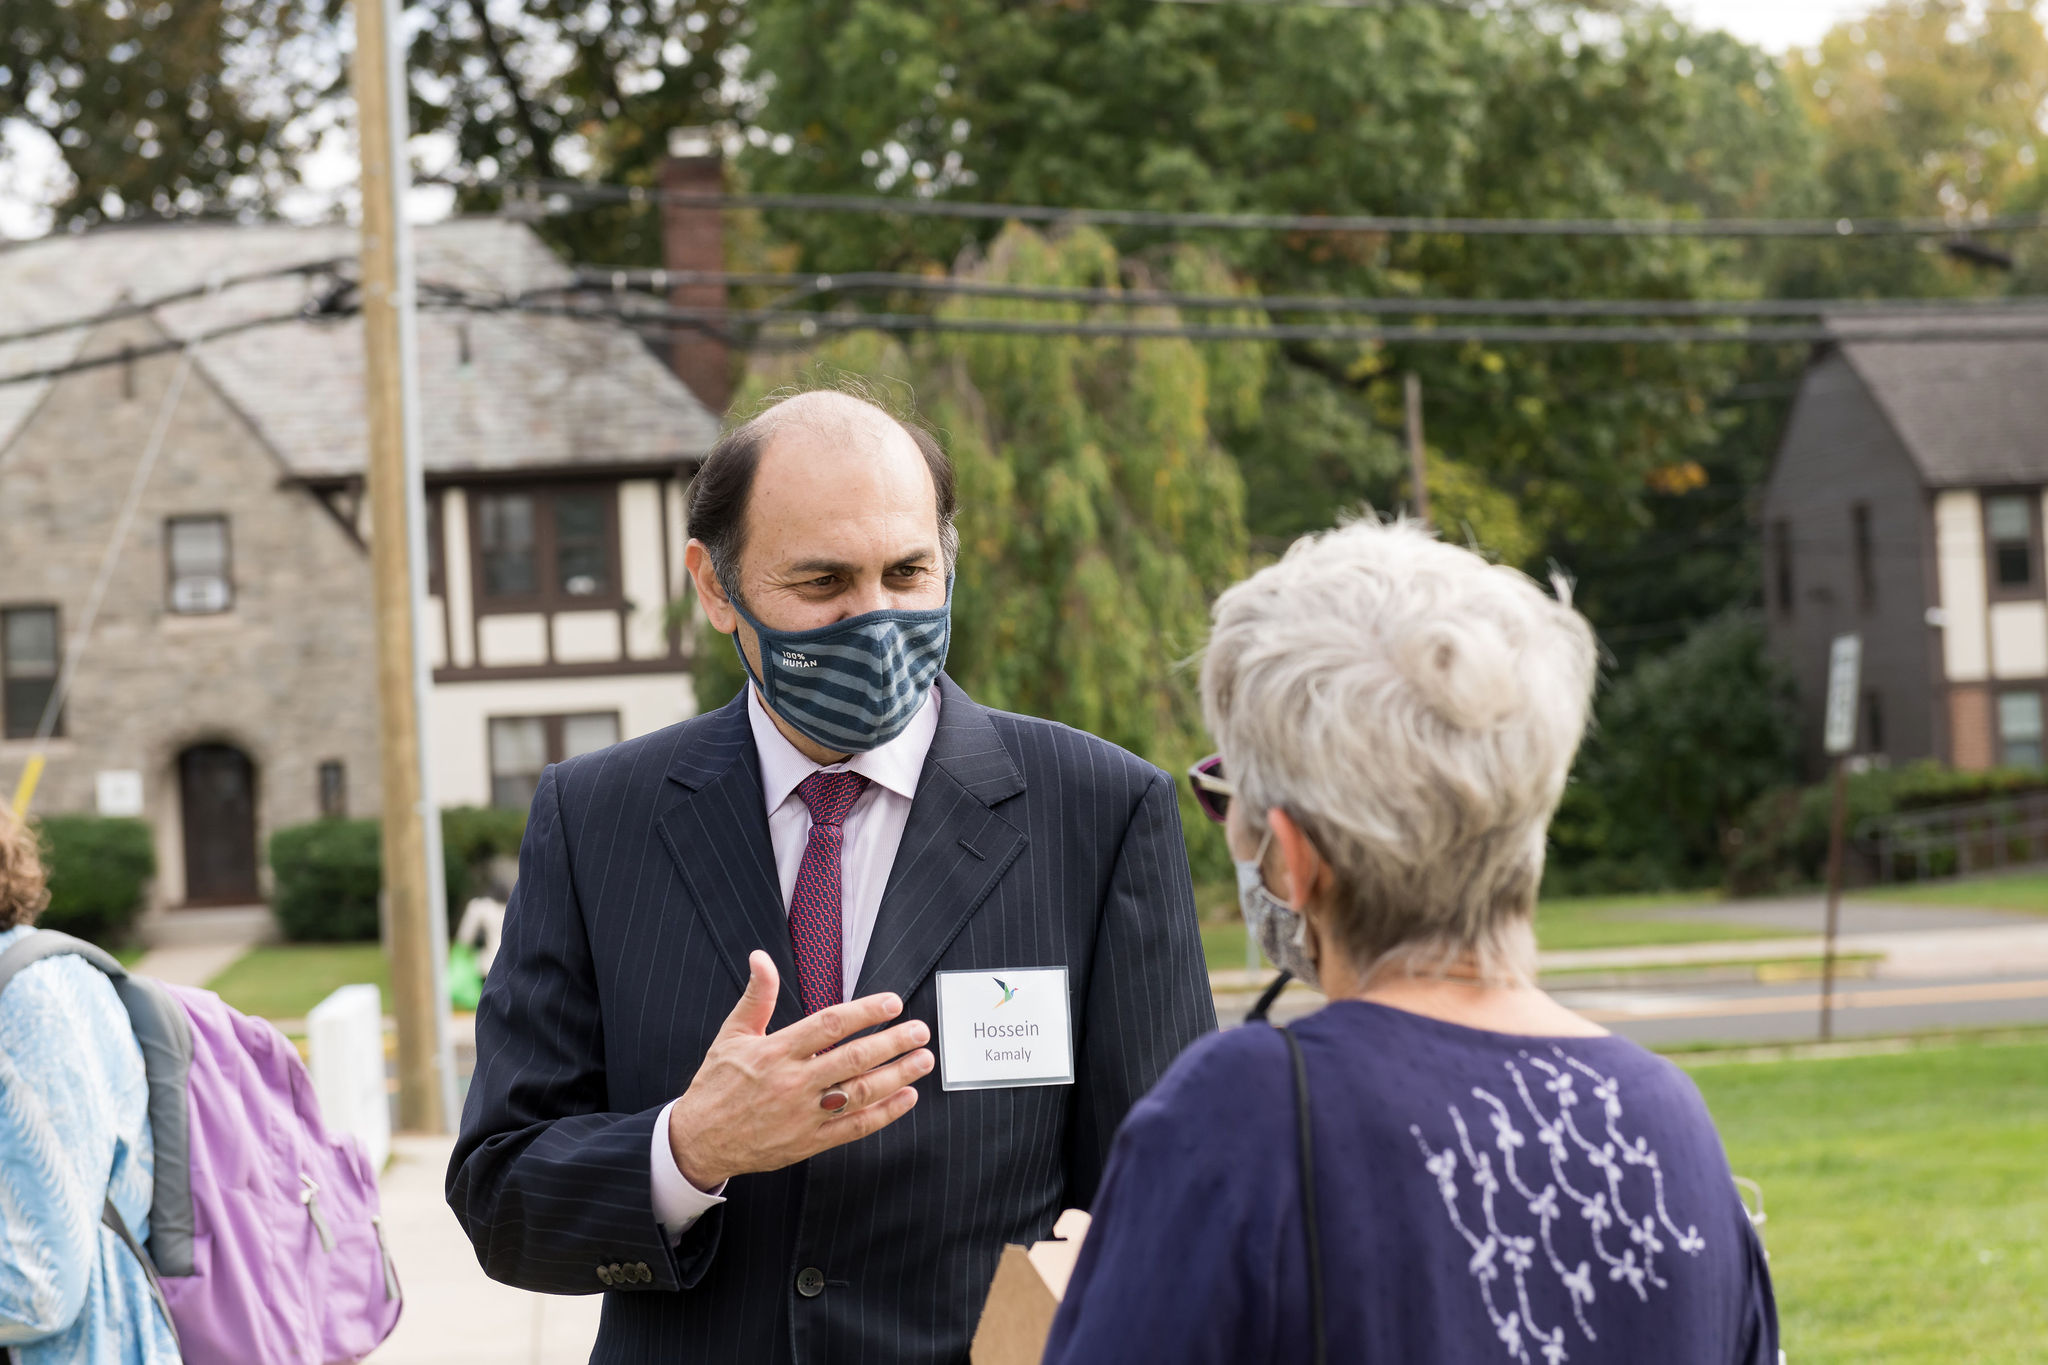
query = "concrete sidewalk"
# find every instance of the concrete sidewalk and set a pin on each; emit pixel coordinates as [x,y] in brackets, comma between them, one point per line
[454,1314]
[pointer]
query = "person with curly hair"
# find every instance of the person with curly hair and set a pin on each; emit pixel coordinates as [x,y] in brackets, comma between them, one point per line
[74,1134]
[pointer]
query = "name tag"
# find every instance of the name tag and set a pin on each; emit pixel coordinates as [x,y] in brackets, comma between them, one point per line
[1004,1028]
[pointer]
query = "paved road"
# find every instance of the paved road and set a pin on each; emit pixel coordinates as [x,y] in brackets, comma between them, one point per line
[1920,969]
[1791,1012]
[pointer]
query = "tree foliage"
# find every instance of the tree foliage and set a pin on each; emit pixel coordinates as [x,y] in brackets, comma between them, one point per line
[1684,744]
[1098,513]
[157,108]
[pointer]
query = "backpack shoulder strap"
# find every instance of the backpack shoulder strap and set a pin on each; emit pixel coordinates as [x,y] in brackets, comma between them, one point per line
[111,1216]
[38,944]
[165,1035]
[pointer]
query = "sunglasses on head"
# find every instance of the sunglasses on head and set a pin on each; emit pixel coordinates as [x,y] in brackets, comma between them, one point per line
[1212,789]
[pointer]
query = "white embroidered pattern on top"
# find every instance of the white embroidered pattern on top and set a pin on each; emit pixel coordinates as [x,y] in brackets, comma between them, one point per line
[1500,1254]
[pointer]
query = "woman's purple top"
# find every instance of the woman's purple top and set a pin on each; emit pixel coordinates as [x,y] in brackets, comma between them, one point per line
[1483,1197]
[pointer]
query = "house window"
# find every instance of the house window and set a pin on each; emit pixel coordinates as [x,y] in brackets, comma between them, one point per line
[333,789]
[1873,722]
[2009,527]
[507,544]
[1866,555]
[198,552]
[2019,729]
[521,746]
[29,658]
[554,549]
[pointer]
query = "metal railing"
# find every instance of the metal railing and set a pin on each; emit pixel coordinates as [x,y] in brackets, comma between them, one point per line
[1955,840]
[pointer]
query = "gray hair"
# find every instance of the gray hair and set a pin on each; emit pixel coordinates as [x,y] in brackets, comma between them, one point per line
[1415,709]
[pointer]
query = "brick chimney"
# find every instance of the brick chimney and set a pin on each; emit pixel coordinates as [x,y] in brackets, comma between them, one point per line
[693,238]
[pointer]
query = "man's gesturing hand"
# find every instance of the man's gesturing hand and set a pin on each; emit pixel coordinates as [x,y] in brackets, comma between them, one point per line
[754,1103]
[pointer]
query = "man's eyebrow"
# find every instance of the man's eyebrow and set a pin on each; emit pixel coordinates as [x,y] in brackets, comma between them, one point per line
[806,568]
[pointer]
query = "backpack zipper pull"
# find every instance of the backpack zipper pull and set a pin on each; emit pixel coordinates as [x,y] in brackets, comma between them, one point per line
[390,1270]
[310,1197]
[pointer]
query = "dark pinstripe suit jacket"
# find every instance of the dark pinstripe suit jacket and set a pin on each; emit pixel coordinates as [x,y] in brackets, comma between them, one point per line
[647,876]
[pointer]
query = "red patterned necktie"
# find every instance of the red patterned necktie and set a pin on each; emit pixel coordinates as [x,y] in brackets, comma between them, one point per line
[814,906]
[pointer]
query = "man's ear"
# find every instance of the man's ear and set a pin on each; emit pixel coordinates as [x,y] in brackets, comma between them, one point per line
[717,606]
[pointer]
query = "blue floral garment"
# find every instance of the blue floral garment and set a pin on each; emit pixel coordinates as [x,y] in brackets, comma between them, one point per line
[74,1128]
[1484,1199]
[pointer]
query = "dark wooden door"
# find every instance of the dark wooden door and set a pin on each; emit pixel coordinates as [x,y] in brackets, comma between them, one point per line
[217,793]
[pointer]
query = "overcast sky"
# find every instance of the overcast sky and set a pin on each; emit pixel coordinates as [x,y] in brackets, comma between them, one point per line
[32,169]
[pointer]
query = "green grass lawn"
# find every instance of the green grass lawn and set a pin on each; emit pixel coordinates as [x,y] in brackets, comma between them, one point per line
[1998,891]
[1907,1200]
[1572,922]
[284,981]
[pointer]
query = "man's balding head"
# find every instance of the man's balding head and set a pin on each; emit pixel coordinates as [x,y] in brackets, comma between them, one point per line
[818,446]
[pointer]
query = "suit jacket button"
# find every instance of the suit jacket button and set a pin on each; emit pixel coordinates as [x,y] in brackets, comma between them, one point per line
[642,1273]
[604,1274]
[810,1282]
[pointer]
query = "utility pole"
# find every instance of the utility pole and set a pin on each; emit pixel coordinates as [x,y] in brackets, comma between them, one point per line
[1411,386]
[415,896]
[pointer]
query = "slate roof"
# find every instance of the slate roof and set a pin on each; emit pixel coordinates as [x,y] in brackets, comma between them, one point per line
[1969,412]
[538,392]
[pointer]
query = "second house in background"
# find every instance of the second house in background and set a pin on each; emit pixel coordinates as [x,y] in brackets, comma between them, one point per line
[1907,504]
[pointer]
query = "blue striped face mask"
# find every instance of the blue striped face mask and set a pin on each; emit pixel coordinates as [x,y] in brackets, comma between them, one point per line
[854,685]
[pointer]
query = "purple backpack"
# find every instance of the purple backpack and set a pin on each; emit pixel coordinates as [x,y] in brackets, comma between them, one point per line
[265,1242]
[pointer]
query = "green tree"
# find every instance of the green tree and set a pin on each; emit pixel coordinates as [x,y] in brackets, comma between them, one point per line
[1098,514]
[158,109]
[1682,747]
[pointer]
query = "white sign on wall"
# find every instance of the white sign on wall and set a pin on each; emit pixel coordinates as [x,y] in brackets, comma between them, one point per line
[1845,667]
[118,791]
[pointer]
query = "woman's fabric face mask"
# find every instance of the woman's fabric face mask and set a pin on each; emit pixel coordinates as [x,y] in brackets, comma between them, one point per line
[853,685]
[1278,928]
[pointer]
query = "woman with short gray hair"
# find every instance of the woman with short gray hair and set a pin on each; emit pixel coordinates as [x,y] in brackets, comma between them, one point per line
[1442,1164]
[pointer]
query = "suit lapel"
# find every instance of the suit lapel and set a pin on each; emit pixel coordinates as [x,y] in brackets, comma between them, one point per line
[955,847]
[717,833]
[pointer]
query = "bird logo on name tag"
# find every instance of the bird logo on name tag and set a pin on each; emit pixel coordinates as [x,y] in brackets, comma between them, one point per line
[1009,991]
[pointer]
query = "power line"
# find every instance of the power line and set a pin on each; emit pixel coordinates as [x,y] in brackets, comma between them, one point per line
[800,329]
[602,192]
[136,308]
[132,353]
[815,285]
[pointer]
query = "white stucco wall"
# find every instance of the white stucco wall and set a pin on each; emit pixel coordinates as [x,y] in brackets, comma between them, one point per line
[2019,639]
[1959,576]
[511,641]
[461,713]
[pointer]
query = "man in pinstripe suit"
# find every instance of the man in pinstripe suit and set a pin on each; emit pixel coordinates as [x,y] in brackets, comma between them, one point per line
[662,1109]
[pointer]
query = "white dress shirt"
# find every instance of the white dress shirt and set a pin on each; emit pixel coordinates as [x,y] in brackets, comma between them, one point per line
[874,829]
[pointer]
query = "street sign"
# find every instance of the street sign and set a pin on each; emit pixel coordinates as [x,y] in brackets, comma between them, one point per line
[1845,665]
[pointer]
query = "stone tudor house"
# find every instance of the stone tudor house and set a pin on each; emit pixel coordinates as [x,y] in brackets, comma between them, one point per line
[1907,503]
[227,690]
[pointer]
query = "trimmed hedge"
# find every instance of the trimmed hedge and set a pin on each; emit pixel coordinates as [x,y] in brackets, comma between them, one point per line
[1782,841]
[471,837]
[327,878]
[98,867]
[329,873]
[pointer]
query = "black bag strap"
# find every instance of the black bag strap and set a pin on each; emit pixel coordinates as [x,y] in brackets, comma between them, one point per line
[1318,1316]
[1257,1014]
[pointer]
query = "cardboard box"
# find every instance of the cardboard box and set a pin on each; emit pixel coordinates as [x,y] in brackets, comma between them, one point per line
[1026,1292]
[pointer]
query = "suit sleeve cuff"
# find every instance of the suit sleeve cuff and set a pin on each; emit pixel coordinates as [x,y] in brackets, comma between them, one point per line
[677,1203]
